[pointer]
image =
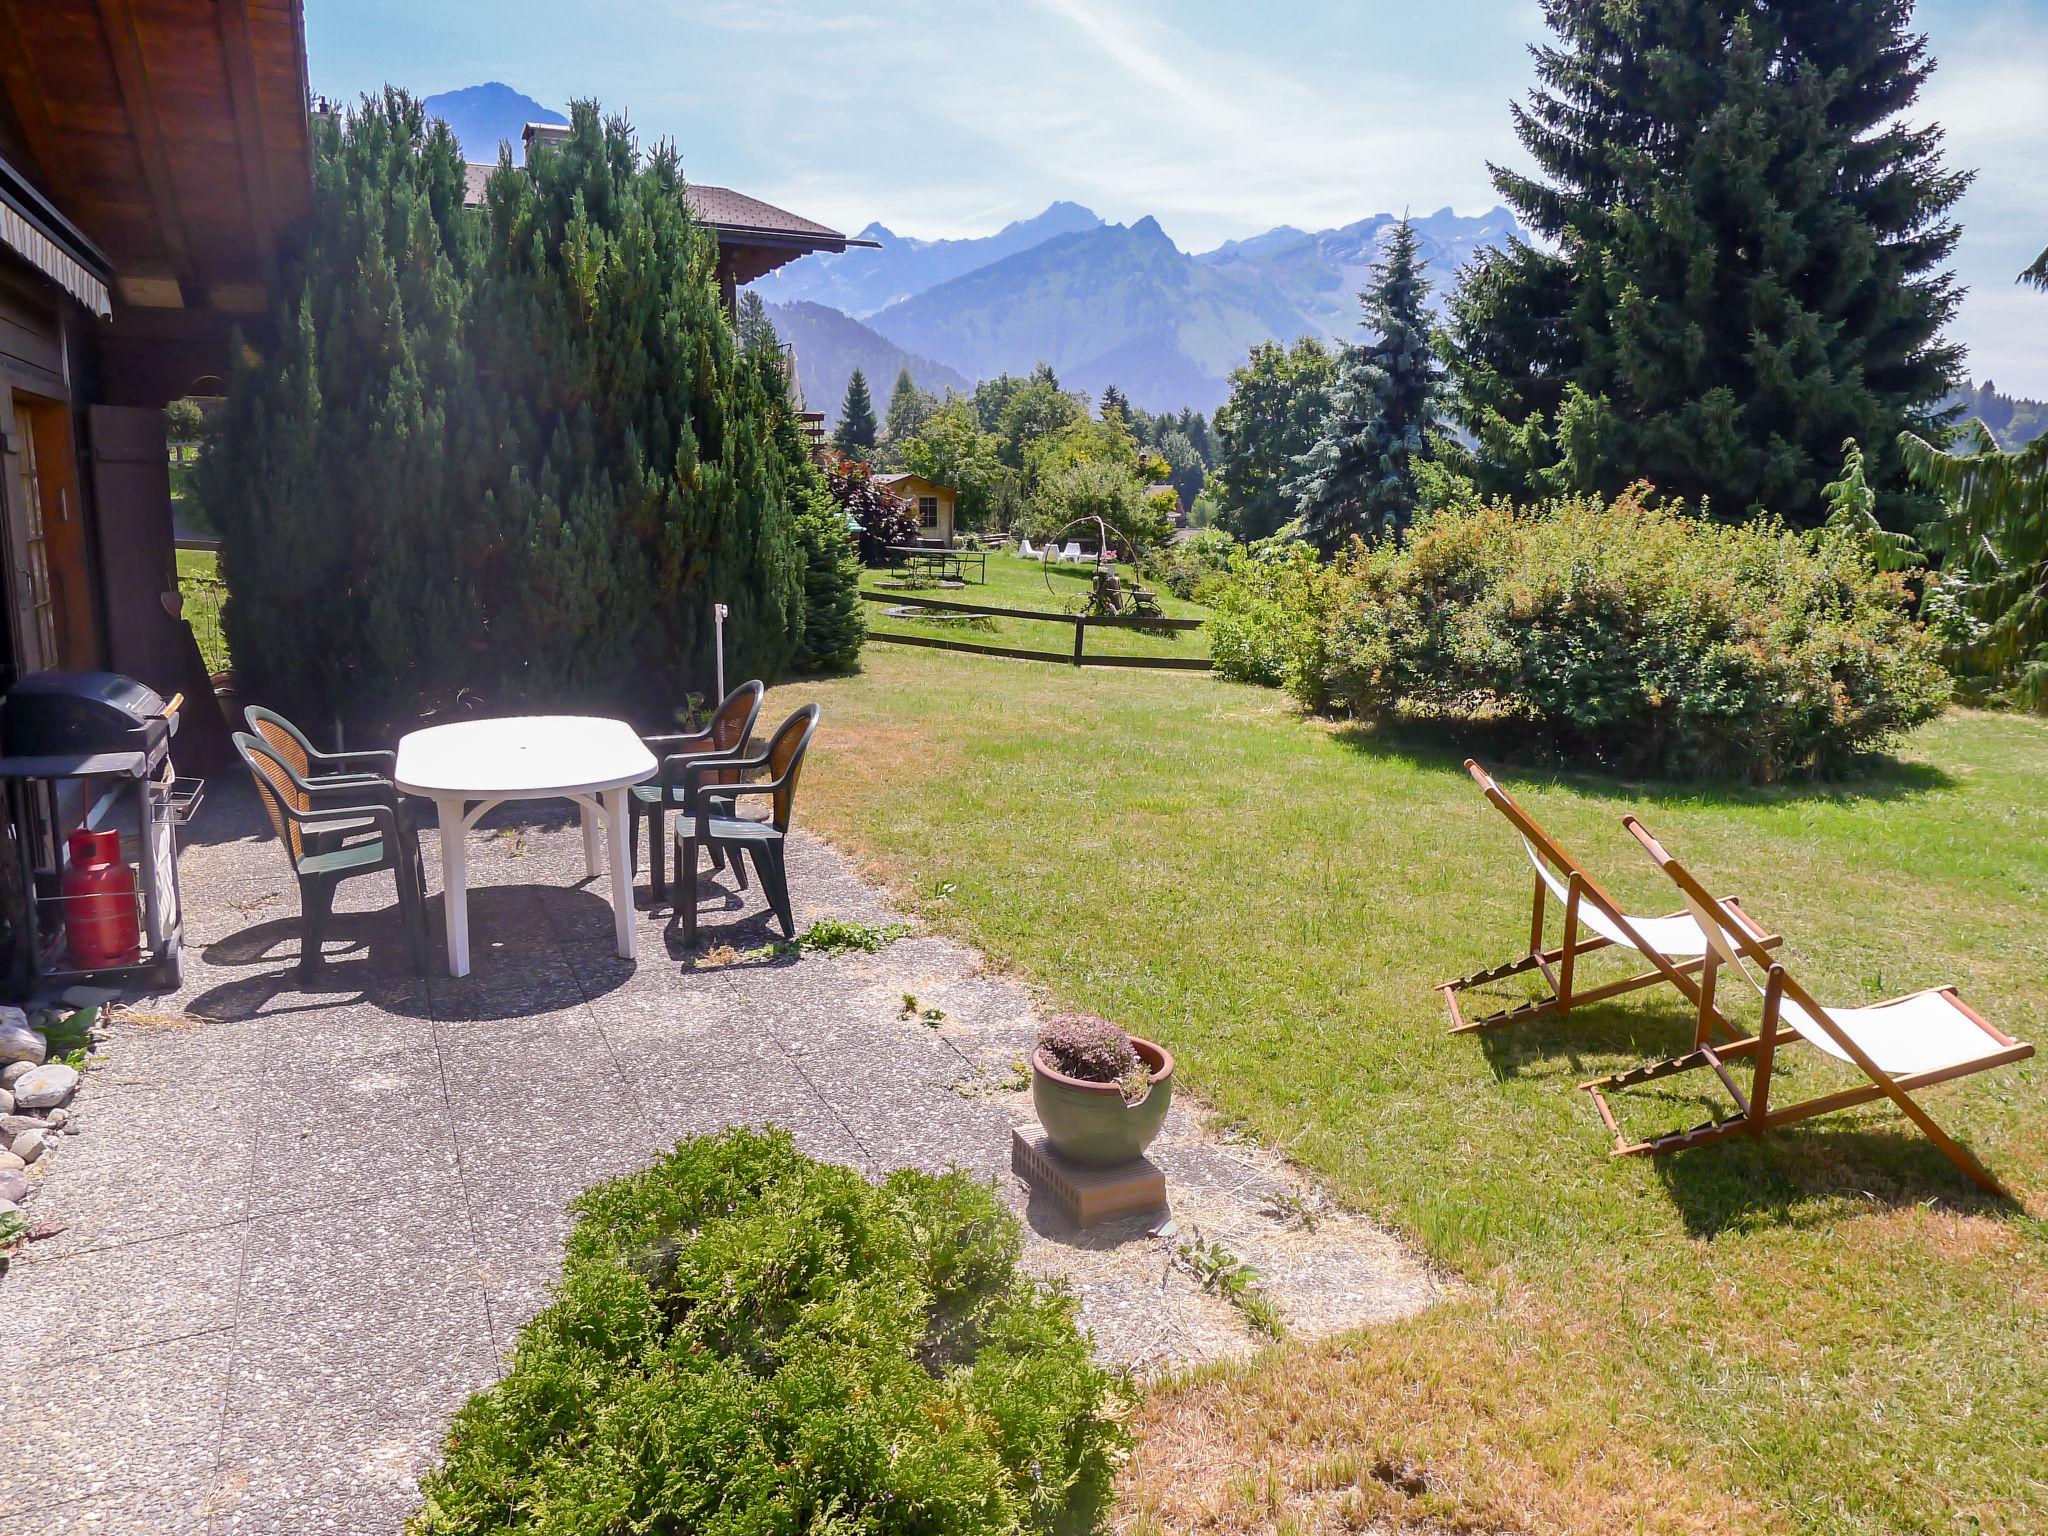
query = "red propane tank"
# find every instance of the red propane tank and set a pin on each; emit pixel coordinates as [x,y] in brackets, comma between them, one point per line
[99,902]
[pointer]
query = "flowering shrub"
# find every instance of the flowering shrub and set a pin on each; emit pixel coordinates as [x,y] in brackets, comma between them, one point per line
[746,1341]
[1095,1051]
[1630,635]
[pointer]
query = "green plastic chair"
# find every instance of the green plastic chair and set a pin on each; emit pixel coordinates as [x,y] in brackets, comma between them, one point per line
[330,838]
[709,799]
[372,786]
[651,802]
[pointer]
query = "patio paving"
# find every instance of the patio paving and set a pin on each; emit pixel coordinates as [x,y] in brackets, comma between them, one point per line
[303,1221]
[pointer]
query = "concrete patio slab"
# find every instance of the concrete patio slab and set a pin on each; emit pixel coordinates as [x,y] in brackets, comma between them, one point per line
[304,1217]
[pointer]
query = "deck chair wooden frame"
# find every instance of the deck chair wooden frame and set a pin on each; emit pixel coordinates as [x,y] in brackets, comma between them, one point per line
[1585,905]
[1790,1014]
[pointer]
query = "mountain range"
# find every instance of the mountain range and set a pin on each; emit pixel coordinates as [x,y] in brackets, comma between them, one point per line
[1110,303]
[1102,303]
[830,345]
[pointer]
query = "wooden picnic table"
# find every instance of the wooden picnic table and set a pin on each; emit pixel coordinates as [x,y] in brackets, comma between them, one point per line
[940,562]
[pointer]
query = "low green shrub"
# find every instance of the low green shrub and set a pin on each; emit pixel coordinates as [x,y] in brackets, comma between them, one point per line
[1187,565]
[1274,611]
[747,1342]
[1620,633]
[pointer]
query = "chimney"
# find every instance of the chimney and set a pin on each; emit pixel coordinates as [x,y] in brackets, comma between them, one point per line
[541,133]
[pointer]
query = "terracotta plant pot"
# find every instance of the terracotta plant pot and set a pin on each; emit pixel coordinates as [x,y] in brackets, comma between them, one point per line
[1090,1122]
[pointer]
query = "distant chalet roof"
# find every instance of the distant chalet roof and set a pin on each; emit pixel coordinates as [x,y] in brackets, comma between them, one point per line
[735,218]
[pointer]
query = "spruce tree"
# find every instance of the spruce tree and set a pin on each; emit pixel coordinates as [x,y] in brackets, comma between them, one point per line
[756,330]
[856,431]
[1114,403]
[1358,479]
[1744,242]
[909,409]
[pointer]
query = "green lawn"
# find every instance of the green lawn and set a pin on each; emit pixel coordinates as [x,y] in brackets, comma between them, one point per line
[199,582]
[1825,1331]
[1015,583]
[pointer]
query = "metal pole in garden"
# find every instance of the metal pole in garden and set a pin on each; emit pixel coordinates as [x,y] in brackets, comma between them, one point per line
[718,612]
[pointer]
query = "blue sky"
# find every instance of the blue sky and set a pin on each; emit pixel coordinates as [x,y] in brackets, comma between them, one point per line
[952,117]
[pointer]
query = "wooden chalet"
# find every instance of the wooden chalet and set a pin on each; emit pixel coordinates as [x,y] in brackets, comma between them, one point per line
[153,153]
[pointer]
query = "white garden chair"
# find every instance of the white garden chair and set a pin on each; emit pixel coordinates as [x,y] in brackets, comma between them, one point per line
[1071,554]
[1026,552]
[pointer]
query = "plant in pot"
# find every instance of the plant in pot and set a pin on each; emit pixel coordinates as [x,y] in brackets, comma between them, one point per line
[1100,1094]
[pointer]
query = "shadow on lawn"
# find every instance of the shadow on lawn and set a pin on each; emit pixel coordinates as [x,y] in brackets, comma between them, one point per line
[1589,1038]
[1805,1175]
[1506,750]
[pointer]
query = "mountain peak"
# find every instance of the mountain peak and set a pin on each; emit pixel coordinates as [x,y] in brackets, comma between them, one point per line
[1148,228]
[483,116]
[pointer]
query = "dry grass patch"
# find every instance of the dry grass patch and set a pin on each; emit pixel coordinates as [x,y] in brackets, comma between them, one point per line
[1449,1423]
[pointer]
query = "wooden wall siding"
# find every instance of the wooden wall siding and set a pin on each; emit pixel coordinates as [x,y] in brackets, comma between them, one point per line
[172,131]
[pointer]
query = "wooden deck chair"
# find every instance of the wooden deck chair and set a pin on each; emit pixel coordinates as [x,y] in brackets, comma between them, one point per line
[1901,1046]
[1674,945]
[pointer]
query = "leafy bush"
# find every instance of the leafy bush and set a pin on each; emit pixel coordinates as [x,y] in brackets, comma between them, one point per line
[748,1342]
[1630,635]
[1108,490]
[1274,607]
[1185,566]
[885,519]
[1096,1051]
[835,623]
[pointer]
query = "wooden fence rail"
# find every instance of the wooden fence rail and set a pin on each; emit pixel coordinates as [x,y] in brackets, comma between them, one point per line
[1082,622]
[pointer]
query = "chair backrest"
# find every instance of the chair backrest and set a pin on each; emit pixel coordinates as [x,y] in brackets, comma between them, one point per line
[276,787]
[1737,948]
[1554,866]
[737,712]
[283,738]
[786,749]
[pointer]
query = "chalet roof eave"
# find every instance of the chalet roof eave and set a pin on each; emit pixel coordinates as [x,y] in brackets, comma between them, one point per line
[784,239]
[50,242]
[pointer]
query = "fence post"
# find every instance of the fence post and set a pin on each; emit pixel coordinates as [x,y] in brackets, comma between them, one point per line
[1080,630]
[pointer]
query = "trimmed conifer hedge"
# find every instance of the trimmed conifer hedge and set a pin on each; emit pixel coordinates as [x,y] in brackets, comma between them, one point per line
[512,453]
[748,1341]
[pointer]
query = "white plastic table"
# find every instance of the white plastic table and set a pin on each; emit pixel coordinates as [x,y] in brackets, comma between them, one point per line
[473,765]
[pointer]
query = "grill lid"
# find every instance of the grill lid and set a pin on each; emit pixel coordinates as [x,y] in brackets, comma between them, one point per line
[52,713]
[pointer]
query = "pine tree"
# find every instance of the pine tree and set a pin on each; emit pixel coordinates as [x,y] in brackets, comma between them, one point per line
[756,330]
[513,454]
[1114,403]
[909,409]
[856,430]
[1744,238]
[1358,479]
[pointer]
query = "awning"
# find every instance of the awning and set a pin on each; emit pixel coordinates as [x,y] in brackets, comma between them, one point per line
[44,238]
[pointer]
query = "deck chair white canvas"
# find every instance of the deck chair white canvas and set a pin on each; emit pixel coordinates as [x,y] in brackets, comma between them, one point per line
[1593,921]
[1901,1046]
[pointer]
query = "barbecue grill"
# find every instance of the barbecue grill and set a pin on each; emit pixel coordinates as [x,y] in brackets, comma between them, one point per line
[93,749]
